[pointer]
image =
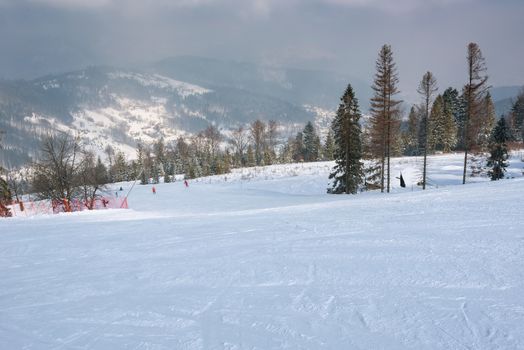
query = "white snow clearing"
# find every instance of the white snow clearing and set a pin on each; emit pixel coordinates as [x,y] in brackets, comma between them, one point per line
[273,263]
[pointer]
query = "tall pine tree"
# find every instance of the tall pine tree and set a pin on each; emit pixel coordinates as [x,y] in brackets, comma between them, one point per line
[348,171]
[384,113]
[453,103]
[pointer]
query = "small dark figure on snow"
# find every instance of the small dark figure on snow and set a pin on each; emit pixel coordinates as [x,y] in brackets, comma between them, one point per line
[153,189]
[402,182]
[186,183]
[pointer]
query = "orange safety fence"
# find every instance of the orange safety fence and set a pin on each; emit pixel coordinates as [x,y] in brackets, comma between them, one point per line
[48,207]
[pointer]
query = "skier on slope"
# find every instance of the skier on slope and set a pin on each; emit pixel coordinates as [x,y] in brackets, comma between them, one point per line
[186,183]
[153,189]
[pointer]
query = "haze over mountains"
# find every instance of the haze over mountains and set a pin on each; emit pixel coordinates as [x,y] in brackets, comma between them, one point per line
[172,97]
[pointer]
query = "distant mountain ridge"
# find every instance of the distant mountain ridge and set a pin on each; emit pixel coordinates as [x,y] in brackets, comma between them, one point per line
[176,96]
[319,88]
[117,107]
[504,97]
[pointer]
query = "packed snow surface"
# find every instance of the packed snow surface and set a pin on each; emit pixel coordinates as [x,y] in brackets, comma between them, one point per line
[264,259]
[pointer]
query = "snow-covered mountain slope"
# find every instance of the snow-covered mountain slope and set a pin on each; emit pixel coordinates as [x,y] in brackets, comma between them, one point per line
[102,106]
[266,260]
[118,107]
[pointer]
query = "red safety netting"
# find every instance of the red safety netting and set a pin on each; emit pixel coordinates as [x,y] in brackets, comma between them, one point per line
[47,207]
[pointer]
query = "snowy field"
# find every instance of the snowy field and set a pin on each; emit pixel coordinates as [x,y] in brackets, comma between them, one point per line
[264,259]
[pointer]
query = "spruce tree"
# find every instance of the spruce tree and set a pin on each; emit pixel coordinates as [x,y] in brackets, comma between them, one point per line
[449,128]
[487,120]
[436,125]
[498,150]
[120,169]
[310,151]
[411,134]
[348,171]
[328,150]
[517,117]
[461,121]
[298,147]
[453,104]
[452,101]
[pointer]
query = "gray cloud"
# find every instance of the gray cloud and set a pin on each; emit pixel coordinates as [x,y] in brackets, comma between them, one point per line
[258,6]
[42,36]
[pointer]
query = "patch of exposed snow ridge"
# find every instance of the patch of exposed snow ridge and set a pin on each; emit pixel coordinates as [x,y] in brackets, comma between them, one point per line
[156,80]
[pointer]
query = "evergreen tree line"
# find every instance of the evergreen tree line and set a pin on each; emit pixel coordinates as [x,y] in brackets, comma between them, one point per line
[450,121]
[443,128]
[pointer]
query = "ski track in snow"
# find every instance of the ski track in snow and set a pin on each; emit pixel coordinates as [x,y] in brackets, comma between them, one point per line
[272,263]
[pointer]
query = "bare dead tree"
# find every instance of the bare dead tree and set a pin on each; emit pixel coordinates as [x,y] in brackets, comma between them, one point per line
[427,89]
[474,94]
[384,112]
[213,138]
[56,174]
[92,178]
[258,137]
[239,142]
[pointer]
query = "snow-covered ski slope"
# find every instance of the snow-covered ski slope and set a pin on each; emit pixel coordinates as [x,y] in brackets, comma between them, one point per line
[273,263]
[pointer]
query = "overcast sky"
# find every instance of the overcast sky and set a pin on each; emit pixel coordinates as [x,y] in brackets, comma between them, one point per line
[46,36]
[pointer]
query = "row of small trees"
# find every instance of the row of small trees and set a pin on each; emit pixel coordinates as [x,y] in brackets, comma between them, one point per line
[440,122]
[210,153]
[65,173]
